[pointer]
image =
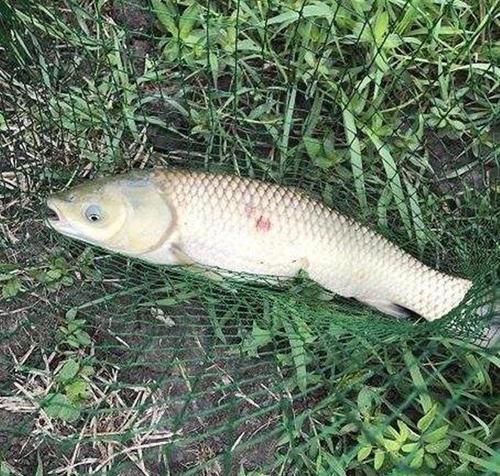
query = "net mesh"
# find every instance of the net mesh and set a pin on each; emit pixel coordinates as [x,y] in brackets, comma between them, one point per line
[386,110]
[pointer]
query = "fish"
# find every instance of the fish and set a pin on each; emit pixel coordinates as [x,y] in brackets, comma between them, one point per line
[178,217]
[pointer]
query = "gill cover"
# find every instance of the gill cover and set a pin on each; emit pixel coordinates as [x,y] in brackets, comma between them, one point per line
[149,218]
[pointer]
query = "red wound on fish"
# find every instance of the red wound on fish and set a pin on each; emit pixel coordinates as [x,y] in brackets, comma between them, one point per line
[263,224]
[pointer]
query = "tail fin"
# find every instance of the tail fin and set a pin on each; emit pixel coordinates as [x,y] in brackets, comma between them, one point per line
[491,334]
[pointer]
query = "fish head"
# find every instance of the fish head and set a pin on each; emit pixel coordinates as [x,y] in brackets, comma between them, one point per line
[126,213]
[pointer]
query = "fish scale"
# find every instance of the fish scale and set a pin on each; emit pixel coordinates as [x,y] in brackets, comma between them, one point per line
[221,224]
[175,217]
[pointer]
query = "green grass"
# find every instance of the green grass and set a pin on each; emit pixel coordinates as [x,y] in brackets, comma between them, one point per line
[388,110]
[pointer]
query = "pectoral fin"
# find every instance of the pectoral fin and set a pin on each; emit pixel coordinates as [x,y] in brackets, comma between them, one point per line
[180,256]
[185,260]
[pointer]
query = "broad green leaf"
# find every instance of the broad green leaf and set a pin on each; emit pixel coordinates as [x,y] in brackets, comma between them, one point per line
[67,280]
[392,41]
[418,459]
[75,324]
[71,313]
[380,27]
[58,406]
[77,390]
[11,287]
[54,273]
[430,461]
[68,370]
[320,10]
[404,431]
[364,452]
[166,14]
[378,460]
[83,338]
[69,413]
[360,6]
[313,146]
[436,435]
[310,59]
[260,336]
[365,400]
[87,370]
[287,18]
[60,262]
[391,445]
[410,447]
[248,45]
[326,162]
[427,419]
[188,19]
[73,342]
[392,432]
[438,447]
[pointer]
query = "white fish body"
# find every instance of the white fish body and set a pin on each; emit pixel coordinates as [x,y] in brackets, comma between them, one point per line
[249,226]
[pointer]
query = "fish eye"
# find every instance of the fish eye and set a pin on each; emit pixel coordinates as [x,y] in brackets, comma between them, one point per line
[93,213]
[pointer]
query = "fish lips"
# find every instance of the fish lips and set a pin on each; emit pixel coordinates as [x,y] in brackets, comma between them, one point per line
[55,218]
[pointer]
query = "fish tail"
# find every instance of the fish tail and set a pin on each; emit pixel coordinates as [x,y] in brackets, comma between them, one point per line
[432,294]
[491,335]
[489,311]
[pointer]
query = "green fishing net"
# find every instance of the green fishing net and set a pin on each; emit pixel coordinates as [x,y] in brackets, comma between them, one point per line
[388,110]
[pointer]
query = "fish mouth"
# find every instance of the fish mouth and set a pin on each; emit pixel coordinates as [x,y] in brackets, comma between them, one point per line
[55,219]
[53,216]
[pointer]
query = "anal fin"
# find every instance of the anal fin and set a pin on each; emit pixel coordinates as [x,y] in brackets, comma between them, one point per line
[388,307]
